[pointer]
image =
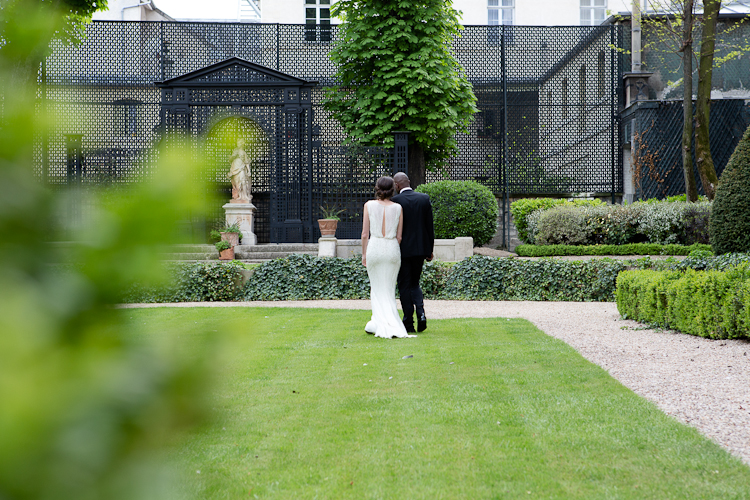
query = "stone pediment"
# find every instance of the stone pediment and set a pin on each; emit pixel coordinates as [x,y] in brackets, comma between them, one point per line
[231,72]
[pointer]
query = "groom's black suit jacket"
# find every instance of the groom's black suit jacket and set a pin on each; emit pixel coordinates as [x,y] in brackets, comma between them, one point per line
[418,234]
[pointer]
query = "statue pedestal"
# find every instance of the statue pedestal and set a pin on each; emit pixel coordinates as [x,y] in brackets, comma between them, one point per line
[327,246]
[244,215]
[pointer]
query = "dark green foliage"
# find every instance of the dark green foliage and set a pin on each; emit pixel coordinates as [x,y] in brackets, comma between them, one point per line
[727,260]
[486,278]
[696,223]
[434,278]
[396,72]
[199,282]
[462,208]
[627,249]
[730,218]
[304,277]
[714,304]
[222,245]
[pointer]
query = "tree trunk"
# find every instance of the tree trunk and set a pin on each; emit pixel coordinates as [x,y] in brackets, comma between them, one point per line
[417,169]
[691,189]
[703,157]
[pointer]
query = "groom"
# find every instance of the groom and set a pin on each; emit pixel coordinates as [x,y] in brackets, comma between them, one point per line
[418,239]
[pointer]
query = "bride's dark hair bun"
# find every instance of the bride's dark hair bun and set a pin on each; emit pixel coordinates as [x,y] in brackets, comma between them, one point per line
[384,188]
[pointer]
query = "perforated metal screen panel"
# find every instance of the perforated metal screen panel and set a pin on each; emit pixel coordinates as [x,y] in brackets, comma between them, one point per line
[547,123]
[659,125]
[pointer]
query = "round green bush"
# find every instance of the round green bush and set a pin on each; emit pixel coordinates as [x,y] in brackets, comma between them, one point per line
[462,208]
[729,224]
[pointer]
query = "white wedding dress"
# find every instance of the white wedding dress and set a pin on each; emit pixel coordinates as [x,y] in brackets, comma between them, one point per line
[383,262]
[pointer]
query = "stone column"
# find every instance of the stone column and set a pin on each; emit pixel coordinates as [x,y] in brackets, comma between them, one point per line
[327,246]
[244,214]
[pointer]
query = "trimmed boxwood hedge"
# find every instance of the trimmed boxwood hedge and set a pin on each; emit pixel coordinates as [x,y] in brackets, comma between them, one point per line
[628,249]
[713,304]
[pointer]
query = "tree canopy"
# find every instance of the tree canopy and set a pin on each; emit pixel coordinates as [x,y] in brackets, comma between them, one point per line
[396,72]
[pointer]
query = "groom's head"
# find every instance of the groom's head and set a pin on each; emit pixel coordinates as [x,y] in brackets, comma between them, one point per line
[401,180]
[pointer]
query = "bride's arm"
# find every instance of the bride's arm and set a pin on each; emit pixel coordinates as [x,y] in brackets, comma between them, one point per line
[400,229]
[365,235]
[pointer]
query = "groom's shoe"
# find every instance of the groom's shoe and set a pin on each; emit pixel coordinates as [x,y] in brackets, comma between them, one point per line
[421,323]
[409,325]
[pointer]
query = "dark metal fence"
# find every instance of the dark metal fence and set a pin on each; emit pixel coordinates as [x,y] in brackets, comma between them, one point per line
[658,125]
[547,124]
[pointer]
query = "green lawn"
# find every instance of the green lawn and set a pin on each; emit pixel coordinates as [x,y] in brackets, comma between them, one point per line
[310,406]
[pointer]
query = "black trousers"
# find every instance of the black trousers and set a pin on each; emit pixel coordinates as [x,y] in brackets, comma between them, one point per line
[408,288]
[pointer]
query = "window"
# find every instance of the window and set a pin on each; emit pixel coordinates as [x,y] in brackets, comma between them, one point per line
[131,119]
[318,20]
[499,13]
[582,99]
[600,78]
[593,12]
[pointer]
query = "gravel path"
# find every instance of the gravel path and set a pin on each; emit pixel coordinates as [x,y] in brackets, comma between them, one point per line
[704,383]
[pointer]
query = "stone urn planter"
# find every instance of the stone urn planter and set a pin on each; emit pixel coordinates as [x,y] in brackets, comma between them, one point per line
[232,238]
[226,250]
[328,227]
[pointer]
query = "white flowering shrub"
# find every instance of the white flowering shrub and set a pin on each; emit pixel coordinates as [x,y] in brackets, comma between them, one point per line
[641,222]
[663,222]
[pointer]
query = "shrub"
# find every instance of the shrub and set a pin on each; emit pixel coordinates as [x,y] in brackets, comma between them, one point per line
[434,278]
[563,225]
[487,278]
[627,249]
[522,209]
[730,218]
[199,282]
[305,277]
[714,304]
[462,208]
[695,221]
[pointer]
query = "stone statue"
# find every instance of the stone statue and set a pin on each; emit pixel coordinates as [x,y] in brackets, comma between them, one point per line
[239,173]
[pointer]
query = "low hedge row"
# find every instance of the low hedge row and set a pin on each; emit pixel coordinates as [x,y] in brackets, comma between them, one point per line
[713,304]
[210,281]
[302,277]
[487,278]
[628,249]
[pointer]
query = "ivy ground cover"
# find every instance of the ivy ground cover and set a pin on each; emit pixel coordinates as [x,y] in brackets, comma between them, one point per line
[309,406]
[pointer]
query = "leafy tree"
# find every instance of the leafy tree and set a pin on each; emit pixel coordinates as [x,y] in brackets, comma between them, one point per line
[706,169]
[396,72]
[675,28]
[28,26]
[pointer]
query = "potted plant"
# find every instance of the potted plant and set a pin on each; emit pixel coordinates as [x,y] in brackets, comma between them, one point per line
[328,221]
[226,250]
[232,234]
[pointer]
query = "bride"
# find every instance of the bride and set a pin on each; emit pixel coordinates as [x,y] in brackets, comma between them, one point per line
[381,236]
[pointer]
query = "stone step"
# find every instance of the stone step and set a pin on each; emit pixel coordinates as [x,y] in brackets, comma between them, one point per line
[183,256]
[278,247]
[242,255]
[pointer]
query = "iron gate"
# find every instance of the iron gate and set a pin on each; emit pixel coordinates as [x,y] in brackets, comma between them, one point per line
[279,105]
